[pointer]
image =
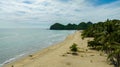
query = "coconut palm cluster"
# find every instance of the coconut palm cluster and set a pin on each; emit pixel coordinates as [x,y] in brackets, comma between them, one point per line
[106,38]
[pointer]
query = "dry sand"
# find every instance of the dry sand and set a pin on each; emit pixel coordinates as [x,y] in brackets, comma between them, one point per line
[56,55]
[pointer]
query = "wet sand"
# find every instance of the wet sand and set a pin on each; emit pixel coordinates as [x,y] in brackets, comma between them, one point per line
[59,55]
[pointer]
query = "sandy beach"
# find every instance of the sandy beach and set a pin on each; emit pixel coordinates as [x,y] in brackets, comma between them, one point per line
[58,55]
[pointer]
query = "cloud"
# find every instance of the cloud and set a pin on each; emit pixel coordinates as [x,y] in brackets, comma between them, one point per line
[14,12]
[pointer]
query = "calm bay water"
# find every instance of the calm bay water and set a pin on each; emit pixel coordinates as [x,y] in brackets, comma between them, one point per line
[18,42]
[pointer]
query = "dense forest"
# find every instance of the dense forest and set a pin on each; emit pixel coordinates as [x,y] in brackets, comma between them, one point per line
[106,38]
[81,26]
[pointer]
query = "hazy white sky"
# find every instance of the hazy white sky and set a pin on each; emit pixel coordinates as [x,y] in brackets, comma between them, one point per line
[42,13]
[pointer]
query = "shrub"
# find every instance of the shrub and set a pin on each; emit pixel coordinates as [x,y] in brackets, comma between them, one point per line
[74,48]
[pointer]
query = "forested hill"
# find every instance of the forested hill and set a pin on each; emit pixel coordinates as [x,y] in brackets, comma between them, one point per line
[81,26]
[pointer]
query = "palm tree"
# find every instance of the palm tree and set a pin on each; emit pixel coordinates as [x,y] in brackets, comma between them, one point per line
[106,38]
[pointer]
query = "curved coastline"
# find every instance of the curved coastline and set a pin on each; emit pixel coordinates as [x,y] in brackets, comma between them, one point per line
[52,56]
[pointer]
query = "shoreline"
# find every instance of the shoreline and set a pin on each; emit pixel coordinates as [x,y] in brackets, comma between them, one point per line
[48,44]
[52,56]
[25,56]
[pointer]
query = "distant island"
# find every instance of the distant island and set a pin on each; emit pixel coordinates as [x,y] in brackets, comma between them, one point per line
[80,26]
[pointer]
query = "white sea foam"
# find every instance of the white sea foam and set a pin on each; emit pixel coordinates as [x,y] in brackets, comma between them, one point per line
[12,59]
[13,42]
[56,35]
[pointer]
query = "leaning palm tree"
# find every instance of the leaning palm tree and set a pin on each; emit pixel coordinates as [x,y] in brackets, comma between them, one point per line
[115,48]
[106,38]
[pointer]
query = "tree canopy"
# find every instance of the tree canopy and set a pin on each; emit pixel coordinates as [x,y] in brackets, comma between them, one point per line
[81,26]
[106,38]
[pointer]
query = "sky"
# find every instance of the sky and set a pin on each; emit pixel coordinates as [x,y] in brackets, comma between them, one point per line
[43,13]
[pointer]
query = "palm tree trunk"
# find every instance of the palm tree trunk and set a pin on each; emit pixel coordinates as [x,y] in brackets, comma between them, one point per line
[118,60]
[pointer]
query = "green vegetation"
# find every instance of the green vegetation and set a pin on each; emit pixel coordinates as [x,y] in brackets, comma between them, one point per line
[30,55]
[81,26]
[106,38]
[74,49]
[57,26]
[12,66]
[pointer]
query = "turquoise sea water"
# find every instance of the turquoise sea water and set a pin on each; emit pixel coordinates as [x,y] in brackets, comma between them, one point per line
[15,43]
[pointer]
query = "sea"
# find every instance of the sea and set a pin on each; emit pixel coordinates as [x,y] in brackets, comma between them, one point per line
[18,42]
